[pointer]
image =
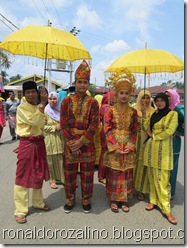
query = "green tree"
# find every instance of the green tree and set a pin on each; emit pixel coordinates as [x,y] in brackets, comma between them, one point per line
[4,77]
[4,63]
[14,78]
[92,89]
[4,60]
[164,83]
[179,85]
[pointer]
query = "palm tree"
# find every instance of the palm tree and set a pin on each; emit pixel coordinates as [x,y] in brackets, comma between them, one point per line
[4,61]
[4,77]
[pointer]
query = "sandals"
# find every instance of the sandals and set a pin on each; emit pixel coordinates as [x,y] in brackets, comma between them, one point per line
[58,182]
[45,208]
[53,185]
[170,218]
[125,208]
[114,207]
[103,181]
[140,196]
[20,219]
[149,206]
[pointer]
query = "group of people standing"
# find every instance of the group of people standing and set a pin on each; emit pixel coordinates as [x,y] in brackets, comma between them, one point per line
[57,141]
[8,110]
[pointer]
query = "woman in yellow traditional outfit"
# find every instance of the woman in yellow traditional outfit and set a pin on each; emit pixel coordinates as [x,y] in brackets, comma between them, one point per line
[120,128]
[97,139]
[141,182]
[54,140]
[158,154]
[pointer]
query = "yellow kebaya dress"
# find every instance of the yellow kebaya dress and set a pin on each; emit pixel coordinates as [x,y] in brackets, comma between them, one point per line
[141,182]
[158,157]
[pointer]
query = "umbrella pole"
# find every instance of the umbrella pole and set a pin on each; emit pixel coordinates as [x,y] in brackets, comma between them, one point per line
[45,63]
[145,81]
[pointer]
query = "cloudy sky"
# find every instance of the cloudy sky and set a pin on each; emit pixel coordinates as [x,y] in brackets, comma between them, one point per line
[108,29]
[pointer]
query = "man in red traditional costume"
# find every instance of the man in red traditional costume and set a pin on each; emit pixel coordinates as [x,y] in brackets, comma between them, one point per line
[32,167]
[79,121]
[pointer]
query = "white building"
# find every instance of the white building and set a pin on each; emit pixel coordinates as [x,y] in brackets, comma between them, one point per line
[16,86]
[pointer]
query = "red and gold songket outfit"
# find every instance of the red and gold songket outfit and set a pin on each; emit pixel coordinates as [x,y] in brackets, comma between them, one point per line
[79,120]
[120,128]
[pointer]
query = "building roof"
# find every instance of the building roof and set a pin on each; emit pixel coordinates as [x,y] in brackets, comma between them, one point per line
[160,88]
[38,79]
[153,89]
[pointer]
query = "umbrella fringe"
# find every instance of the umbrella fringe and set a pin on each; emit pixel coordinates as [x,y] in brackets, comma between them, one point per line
[45,62]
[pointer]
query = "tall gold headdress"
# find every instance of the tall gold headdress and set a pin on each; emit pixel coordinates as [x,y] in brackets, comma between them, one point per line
[123,79]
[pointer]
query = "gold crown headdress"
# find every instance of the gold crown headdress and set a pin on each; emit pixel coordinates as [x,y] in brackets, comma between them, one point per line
[122,77]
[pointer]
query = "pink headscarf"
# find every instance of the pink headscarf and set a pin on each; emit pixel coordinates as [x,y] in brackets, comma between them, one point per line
[107,100]
[174,99]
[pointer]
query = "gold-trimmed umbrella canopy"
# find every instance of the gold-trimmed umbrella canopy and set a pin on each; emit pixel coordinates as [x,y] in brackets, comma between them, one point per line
[45,42]
[147,61]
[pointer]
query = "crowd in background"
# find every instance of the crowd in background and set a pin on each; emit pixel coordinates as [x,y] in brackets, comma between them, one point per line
[134,147]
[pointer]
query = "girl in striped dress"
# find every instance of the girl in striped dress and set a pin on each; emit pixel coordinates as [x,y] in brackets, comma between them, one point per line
[141,182]
[174,101]
[54,140]
[2,118]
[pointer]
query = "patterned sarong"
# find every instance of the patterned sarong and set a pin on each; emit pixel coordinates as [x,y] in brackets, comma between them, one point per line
[12,121]
[32,166]
[119,184]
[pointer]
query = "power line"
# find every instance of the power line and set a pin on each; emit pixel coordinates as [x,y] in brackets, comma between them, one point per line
[99,38]
[9,21]
[47,10]
[39,11]
[46,7]
[90,36]
[57,12]
[6,25]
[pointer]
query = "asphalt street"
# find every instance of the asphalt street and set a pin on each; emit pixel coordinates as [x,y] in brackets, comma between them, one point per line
[101,226]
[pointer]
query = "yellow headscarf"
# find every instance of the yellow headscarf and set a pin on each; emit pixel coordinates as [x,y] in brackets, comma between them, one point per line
[99,99]
[138,106]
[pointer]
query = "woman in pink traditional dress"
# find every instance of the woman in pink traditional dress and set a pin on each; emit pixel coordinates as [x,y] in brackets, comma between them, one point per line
[97,138]
[2,118]
[120,128]
[106,101]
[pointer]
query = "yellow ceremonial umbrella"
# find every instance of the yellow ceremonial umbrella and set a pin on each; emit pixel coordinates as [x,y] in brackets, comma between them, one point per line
[45,42]
[147,61]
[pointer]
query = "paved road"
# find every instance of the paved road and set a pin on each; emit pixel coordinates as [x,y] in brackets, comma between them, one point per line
[101,226]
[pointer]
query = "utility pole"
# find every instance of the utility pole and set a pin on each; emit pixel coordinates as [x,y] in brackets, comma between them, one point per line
[49,64]
[73,31]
